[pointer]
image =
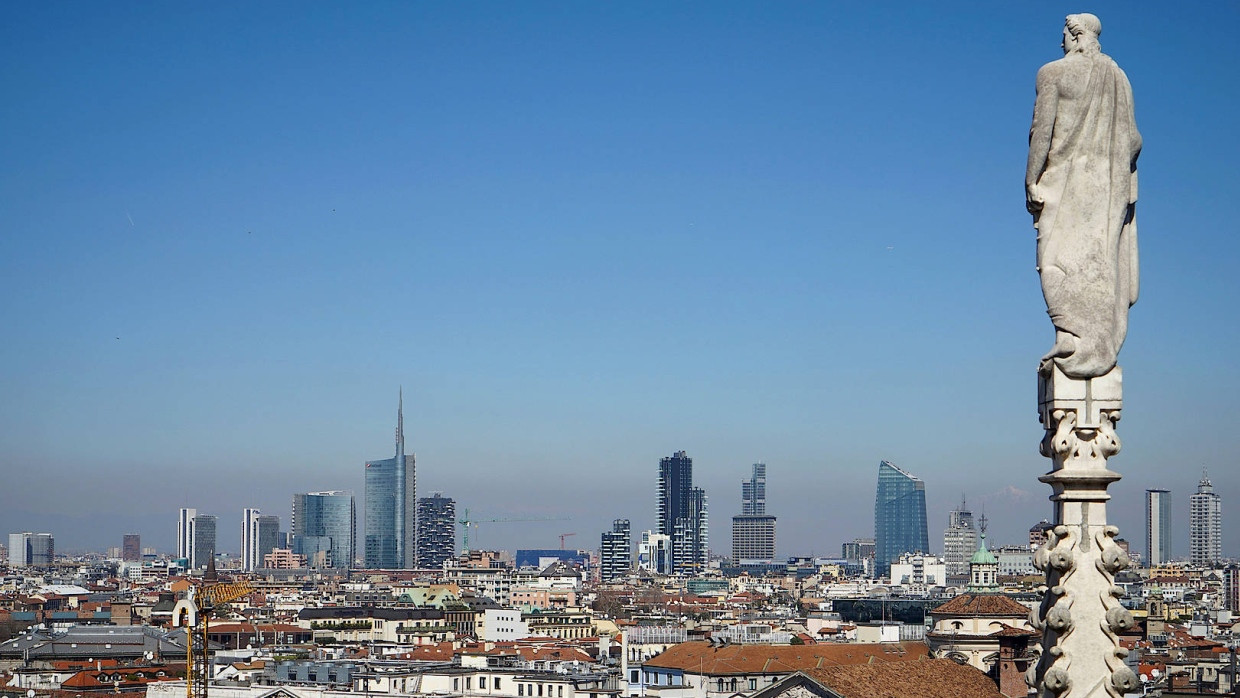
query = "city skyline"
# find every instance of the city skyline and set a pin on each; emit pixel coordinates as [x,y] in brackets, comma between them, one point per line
[593,212]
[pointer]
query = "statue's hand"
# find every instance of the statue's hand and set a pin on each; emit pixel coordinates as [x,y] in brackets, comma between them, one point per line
[1033,199]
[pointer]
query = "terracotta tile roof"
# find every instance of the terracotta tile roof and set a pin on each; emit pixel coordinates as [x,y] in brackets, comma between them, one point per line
[982,605]
[932,678]
[698,657]
[1009,631]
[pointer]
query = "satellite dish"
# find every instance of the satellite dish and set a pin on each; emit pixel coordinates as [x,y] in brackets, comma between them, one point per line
[30,693]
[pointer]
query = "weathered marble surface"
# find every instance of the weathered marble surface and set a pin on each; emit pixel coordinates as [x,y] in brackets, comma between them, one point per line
[1081,187]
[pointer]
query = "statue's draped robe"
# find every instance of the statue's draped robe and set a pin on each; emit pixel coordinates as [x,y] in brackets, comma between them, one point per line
[1087,230]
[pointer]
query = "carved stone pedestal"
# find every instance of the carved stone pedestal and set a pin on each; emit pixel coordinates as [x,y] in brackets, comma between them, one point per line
[1080,615]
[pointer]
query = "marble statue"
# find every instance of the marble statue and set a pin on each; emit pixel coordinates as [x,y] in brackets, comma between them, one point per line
[1081,187]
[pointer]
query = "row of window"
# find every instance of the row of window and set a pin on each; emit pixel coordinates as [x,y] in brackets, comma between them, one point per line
[523,689]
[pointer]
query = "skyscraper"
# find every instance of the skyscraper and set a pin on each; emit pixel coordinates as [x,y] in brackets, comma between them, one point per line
[324,528]
[899,516]
[753,492]
[959,540]
[436,530]
[682,513]
[259,536]
[131,547]
[616,554]
[185,533]
[1205,524]
[202,533]
[1157,527]
[753,531]
[391,526]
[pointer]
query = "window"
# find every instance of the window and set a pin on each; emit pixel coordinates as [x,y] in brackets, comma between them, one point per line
[753,684]
[719,685]
[495,683]
[521,689]
[540,686]
[735,686]
[468,681]
[559,692]
[482,682]
[456,684]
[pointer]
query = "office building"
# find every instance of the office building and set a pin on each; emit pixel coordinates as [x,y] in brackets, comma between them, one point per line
[753,531]
[29,549]
[654,554]
[959,540]
[899,517]
[259,536]
[436,531]
[202,533]
[753,492]
[391,526]
[324,528]
[131,547]
[616,554]
[185,533]
[1157,527]
[858,549]
[682,515]
[1231,588]
[753,539]
[1205,524]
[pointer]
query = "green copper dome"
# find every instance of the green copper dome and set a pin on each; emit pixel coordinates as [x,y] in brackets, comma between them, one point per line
[983,556]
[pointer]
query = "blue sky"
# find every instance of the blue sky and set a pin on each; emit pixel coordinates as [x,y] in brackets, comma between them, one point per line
[582,236]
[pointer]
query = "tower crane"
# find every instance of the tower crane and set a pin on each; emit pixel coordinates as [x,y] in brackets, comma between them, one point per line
[194,613]
[466,522]
[563,536]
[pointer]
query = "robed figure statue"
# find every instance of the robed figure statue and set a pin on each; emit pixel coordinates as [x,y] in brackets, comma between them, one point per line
[1081,187]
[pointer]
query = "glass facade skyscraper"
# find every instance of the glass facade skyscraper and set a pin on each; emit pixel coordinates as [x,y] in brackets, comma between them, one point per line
[324,528]
[899,517]
[391,526]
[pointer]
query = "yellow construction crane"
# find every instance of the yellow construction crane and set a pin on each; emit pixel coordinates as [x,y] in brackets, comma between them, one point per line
[194,613]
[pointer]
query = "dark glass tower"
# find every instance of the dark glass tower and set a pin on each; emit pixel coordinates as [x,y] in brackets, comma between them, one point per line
[682,514]
[899,517]
[391,525]
[324,528]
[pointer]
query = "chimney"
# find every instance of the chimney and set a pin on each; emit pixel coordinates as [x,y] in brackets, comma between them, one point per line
[1014,660]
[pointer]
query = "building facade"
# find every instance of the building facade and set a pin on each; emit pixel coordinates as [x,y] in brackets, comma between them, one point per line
[753,492]
[391,525]
[899,517]
[682,515]
[29,549]
[436,531]
[185,533]
[324,528]
[753,531]
[202,533]
[616,553]
[131,547]
[1157,527]
[959,540]
[1205,524]
[259,536]
[654,554]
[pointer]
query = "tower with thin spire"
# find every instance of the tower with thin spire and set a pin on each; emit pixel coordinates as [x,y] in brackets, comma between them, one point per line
[391,525]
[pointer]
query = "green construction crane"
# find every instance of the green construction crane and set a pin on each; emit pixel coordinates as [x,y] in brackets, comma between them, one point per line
[466,522]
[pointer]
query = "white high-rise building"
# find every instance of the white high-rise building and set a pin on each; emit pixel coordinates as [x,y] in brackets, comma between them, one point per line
[258,537]
[1157,527]
[185,533]
[959,540]
[31,549]
[1205,524]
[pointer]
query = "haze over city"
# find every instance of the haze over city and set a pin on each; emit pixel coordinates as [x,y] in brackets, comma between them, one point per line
[581,237]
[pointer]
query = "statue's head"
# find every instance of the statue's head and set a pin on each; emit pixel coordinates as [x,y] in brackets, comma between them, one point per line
[1080,33]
